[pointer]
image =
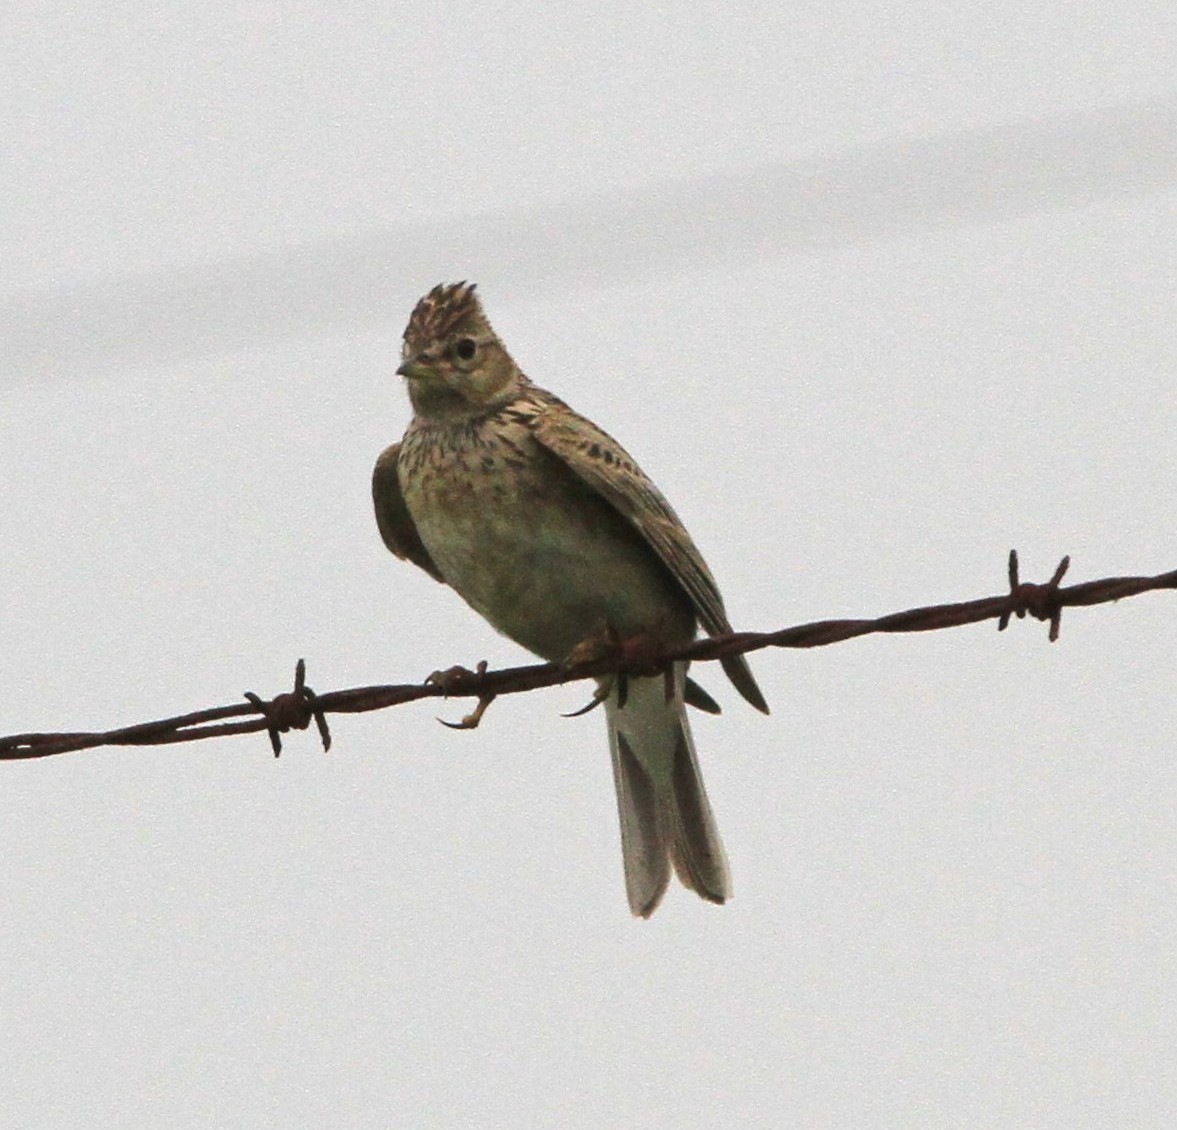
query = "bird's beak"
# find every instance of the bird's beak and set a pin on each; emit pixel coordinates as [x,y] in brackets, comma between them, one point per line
[412,369]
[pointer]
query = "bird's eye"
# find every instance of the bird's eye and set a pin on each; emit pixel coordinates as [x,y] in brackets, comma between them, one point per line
[465,349]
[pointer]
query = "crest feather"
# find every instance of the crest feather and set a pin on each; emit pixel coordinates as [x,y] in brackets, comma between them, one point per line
[446,308]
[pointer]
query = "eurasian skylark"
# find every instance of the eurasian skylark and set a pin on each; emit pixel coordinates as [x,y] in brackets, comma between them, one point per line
[545,526]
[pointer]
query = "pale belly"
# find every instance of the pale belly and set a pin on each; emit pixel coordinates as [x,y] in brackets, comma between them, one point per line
[535,552]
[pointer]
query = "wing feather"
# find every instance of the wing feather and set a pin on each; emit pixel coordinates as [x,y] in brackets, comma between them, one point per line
[393,517]
[602,463]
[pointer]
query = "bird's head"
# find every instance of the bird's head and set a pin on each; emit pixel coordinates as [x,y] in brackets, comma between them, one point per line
[454,363]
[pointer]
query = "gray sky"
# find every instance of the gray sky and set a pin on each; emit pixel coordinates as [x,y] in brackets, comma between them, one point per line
[873,294]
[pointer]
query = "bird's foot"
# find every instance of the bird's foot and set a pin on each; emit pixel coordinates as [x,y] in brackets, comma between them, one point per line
[601,646]
[639,652]
[457,680]
[605,644]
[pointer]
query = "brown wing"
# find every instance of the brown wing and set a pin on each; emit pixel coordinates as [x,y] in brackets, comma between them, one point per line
[603,464]
[392,515]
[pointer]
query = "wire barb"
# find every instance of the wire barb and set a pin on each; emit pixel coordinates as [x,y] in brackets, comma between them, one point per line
[292,711]
[1041,601]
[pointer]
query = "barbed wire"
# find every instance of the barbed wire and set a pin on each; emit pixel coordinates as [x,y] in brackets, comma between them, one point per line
[296,709]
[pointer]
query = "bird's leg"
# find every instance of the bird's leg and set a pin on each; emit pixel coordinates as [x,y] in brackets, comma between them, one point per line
[603,644]
[638,651]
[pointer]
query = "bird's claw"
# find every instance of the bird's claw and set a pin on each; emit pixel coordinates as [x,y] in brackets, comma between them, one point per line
[599,695]
[471,720]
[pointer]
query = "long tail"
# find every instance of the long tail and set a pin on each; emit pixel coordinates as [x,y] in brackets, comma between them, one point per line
[666,819]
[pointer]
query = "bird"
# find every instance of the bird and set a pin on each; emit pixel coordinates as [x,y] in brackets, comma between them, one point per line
[550,530]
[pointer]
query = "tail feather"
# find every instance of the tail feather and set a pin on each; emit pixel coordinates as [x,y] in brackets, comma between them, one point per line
[736,668]
[665,816]
[643,838]
[695,847]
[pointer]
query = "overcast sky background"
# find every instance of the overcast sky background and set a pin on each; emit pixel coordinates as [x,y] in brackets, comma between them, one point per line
[874,293]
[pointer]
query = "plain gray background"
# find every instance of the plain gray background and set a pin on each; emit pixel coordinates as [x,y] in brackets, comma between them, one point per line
[874,292]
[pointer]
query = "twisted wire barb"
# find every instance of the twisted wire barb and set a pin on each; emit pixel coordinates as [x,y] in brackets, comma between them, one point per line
[296,709]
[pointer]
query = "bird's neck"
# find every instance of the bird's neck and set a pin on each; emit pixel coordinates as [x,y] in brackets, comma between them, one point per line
[433,404]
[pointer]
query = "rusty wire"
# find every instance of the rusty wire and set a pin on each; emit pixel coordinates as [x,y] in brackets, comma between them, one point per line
[298,708]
